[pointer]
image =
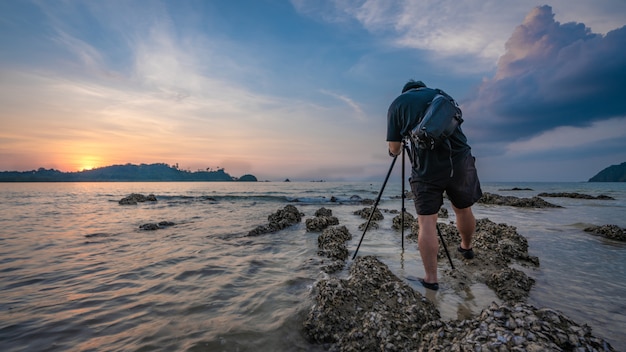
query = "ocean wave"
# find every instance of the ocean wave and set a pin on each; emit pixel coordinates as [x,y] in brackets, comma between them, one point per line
[183,199]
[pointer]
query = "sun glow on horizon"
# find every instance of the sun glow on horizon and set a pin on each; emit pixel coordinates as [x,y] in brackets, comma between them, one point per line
[88,163]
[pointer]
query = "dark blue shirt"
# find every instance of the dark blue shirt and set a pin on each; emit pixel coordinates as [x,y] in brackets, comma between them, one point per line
[404,113]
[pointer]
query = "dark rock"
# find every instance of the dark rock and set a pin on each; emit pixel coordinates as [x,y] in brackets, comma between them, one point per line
[373,225]
[408,221]
[372,310]
[355,199]
[324,212]
[135,198]
[365,214]
[516,189]
[98,234]
[511,327]
[153,226]
[534,202]
[612,232]
[319,223]
[575,195]
[510,284]
[332,243]
[323,219]
[149,227]
[279,220]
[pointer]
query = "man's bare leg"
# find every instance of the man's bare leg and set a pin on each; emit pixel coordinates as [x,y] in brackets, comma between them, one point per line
[466,224]
[428,245]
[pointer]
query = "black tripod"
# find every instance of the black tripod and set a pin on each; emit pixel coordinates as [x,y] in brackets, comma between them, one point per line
[405,149]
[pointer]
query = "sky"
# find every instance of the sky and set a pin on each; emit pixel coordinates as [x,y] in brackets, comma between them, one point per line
[300,89]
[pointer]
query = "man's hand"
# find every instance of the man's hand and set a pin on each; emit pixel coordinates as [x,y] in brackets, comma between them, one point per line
[395,148]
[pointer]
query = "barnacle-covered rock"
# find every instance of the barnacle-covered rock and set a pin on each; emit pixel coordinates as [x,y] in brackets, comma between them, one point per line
[365,213]
[613,232]
[497,246]
[323,219]
[534,202]
[135,198]
[279,220]
[332,245]
[372,310]
[408,221]
[511,327]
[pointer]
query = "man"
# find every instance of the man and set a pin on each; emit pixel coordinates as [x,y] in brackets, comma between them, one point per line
[448,167]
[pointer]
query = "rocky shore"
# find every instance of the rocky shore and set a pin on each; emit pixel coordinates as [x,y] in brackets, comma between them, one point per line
[371,309]
[374,310]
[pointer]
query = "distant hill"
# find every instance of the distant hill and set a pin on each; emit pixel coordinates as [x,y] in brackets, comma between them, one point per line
[121,173]
[613,173]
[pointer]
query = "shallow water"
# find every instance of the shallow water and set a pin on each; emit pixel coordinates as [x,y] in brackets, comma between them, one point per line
[77,274]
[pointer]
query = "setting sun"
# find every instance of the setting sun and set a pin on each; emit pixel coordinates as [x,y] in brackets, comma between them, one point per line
[88,163]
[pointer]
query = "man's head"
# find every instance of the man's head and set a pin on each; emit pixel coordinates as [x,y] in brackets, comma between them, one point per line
[411,84]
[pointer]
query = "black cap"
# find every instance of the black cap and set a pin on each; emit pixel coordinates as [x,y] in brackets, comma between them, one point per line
[413,84]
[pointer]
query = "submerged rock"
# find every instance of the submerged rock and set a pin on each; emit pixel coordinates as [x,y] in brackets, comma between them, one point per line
[534,202]
[154,226]
[135,198]
[612,232]
[279,220]
[575,195]
[355,199]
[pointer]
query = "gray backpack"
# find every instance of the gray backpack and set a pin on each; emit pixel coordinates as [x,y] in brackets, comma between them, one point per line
[441,118]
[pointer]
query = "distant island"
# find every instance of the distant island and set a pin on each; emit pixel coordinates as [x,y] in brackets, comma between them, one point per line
[613,173]
[123,173]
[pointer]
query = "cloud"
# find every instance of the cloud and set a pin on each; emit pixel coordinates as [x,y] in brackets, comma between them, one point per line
[567,138]
[441,29]
[464,36]
[551,75]
[357,111]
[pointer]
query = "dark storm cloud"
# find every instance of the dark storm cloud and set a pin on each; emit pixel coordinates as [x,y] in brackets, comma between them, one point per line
[551,75]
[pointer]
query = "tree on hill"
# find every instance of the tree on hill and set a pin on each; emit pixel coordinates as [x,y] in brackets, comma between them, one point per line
[248,178]
[116,173]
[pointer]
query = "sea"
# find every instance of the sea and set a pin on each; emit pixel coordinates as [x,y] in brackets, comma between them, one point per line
[78,274]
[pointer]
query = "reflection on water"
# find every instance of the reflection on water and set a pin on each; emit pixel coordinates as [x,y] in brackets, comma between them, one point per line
[77,273]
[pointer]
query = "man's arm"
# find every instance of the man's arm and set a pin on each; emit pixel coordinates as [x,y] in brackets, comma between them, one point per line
[395,148]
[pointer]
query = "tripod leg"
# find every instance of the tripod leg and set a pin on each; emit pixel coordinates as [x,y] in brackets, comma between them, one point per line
[375,205]
[445,247]
[403,196]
